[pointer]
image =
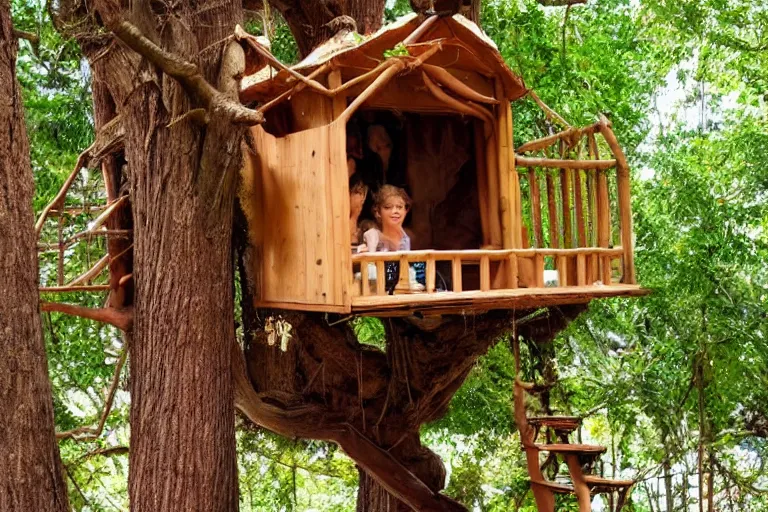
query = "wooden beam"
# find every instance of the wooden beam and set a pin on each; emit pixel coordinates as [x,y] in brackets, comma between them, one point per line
[554,163]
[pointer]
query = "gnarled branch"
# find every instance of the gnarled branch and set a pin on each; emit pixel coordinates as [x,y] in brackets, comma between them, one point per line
[186,73]
[275,413]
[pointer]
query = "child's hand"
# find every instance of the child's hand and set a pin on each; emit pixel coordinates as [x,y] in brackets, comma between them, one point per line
[362,248]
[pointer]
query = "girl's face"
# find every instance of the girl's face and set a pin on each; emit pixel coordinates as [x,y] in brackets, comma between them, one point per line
[393,212]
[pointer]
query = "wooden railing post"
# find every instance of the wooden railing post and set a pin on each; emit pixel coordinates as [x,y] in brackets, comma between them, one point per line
[554,230]
[403,282]
[364,280]
[381,278]
[456,274]
[430,278]
[513,271]
[485,273]
[603,201]
[538,270]
[625,202]
[533,186]
[578,204]
[565,191]
[581,269]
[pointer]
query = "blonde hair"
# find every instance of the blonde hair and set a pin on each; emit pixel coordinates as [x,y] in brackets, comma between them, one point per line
[387,192]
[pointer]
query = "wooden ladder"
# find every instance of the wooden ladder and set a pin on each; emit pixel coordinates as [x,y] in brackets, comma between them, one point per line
[583,484]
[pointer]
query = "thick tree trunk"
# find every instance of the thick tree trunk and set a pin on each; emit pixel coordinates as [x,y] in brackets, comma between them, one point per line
[30,468]
[182,184]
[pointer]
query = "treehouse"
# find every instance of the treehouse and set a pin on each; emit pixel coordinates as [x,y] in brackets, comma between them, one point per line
[426,105]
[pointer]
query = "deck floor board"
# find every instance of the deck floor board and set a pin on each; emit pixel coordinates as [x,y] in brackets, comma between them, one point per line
[475,301]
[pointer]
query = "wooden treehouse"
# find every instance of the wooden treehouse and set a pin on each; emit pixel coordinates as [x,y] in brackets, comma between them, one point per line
[424,105]
[493,226]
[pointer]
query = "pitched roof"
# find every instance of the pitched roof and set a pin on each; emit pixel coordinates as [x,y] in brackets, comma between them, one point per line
[463,46]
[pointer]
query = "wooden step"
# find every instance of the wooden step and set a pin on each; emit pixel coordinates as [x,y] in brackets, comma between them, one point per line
[566,424]
[598,484]
[554,486]
[577,449]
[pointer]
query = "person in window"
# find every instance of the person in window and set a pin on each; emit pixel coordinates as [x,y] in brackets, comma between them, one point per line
[391,205]
[358,191]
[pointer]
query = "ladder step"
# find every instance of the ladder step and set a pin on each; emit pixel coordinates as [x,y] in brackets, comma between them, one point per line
[560,423]
[577,449]
[599,484]
[554,486]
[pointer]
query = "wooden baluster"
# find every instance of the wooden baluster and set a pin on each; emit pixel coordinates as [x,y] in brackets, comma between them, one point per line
[579,206]
[485,273]
[364,280]
[381,278]
[565,190]
[562,269]
[554,230]
[592,208]
[538,270]
[430,274]
[581,269]
[513,271]
[603,200]
[533,186]
[595,274]
[625,203]
[456,274]
[404,282]
[607,274]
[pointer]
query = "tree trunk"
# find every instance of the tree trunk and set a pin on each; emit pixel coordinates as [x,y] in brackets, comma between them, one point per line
[470,9]
[308,21]
[182,184]
[421,461]
[668,490]
[31,477]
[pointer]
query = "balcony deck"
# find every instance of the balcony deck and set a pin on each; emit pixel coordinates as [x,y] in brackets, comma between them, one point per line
[475,301]
[507,279]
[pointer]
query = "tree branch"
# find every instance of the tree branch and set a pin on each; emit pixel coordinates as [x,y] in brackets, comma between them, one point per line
[91,433]
[120,318]
[108,138]
[315,422]
[29,36]
[186,73]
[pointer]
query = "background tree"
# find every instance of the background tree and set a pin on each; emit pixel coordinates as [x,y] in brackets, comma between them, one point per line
[31,478]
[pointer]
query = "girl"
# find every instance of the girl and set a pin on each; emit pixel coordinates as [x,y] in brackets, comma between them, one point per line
[390,209]
[391,205]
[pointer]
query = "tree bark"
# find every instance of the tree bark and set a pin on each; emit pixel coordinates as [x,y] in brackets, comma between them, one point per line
[181,177]
[30,474]
[470,9]
[308,21]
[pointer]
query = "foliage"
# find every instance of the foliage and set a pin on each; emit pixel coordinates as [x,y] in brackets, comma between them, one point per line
[636,367]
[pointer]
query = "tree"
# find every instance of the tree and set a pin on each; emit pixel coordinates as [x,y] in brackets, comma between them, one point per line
[31,478]
[181,172]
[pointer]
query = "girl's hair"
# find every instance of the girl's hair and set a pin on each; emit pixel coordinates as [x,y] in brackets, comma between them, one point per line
[387,192]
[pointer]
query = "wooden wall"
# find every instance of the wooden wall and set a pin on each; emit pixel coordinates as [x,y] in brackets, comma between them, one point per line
[296,190]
